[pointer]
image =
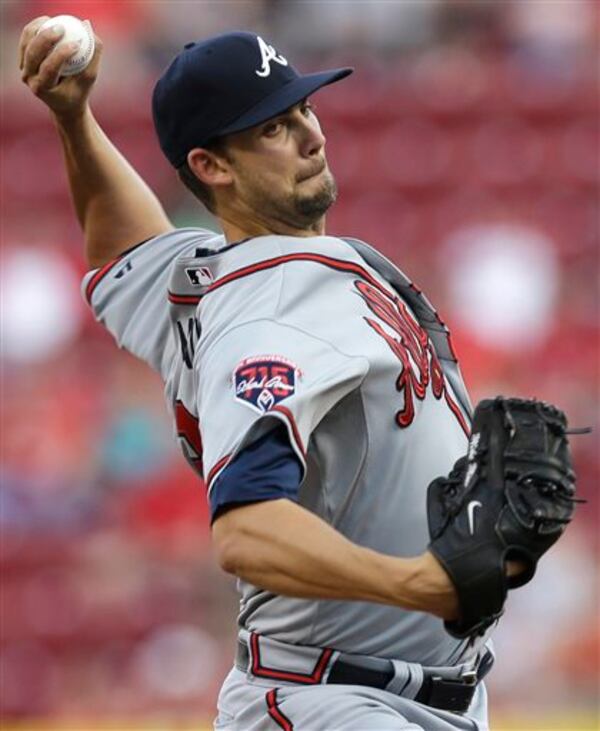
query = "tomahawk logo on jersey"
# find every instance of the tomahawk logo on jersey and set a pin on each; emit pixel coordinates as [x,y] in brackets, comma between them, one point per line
[359,381]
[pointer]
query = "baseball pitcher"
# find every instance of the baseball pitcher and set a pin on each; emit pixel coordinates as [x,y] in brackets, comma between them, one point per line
[315,391]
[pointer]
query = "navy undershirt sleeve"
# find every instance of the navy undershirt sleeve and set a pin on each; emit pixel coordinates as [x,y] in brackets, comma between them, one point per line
[268,469]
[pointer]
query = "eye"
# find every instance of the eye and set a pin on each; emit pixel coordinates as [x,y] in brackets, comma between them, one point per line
[272,128]
[307,109]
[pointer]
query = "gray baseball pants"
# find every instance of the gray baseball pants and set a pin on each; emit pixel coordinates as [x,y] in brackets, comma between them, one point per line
[256,705]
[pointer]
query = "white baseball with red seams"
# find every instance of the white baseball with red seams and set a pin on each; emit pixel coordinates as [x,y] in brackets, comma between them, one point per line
[76,31]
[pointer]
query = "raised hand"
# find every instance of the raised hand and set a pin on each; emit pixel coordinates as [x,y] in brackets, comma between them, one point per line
[40,61]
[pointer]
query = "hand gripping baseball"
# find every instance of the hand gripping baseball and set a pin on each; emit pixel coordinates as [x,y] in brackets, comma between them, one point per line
[41,61]
[509,499]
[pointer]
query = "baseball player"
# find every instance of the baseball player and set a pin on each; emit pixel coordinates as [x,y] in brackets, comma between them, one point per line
[313,388]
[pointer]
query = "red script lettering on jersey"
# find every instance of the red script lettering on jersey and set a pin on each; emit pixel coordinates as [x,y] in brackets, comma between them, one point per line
[188,431]
[412,347]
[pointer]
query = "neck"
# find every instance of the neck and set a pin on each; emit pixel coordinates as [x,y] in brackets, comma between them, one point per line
[249,228]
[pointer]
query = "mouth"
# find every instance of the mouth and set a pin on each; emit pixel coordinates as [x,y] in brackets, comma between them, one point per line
[312,174]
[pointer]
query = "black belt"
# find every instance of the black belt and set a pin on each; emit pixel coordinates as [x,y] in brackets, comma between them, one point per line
[449,694]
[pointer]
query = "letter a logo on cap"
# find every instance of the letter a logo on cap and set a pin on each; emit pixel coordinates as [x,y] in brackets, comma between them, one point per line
[268,54]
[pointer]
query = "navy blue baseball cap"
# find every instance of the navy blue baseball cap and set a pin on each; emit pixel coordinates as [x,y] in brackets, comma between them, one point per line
[226,84]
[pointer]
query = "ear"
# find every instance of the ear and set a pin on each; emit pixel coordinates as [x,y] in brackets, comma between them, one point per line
[209,167]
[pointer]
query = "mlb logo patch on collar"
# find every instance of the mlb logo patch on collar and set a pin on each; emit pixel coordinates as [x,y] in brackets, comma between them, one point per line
[263,381]
[199,276]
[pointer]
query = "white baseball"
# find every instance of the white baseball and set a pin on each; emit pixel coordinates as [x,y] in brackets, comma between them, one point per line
[76,31]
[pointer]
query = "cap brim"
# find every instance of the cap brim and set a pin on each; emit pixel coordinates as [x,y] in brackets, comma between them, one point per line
[284,98]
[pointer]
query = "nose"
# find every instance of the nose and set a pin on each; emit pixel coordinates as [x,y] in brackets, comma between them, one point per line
[312,137]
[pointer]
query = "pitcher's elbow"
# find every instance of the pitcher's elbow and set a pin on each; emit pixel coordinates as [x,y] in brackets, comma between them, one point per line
[228,549]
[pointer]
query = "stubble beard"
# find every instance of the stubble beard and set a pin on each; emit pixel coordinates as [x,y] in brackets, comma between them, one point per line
[312,208]
[302,211]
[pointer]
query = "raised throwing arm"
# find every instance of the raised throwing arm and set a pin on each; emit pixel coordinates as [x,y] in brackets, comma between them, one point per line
[115,207]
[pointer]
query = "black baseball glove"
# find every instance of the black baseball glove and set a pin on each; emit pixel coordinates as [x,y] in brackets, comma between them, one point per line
[509,499]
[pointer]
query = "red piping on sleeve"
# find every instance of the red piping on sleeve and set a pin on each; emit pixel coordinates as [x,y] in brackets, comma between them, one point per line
[98,277]
[295,431]
[105,269]
[215,470]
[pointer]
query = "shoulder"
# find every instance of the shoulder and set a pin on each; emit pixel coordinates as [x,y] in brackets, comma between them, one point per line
[252,265]
[273,276]
[178,242]
[268,253]
[150,256]
[298,281]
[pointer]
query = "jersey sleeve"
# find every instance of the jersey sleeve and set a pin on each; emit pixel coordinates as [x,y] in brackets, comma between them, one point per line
[267,469]
[263,374]
[129,295]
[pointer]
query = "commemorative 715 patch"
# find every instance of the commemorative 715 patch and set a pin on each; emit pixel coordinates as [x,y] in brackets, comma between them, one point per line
[263,381]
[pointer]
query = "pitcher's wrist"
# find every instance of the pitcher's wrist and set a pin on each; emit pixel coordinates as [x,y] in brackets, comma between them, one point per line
[431,587]
[68,118]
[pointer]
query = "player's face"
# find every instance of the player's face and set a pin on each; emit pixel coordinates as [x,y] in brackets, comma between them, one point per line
[280,171]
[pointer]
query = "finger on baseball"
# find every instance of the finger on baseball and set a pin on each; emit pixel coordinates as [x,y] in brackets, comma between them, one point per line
[27,34]
[49,71]
[91,71]
[97,40]
[88,24]
[37,50]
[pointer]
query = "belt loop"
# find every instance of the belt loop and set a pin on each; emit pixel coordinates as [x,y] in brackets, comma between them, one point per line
[415,679]
[401,679]
[328,667]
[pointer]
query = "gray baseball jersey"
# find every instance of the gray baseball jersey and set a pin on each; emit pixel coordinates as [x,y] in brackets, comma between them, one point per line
[329,339]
